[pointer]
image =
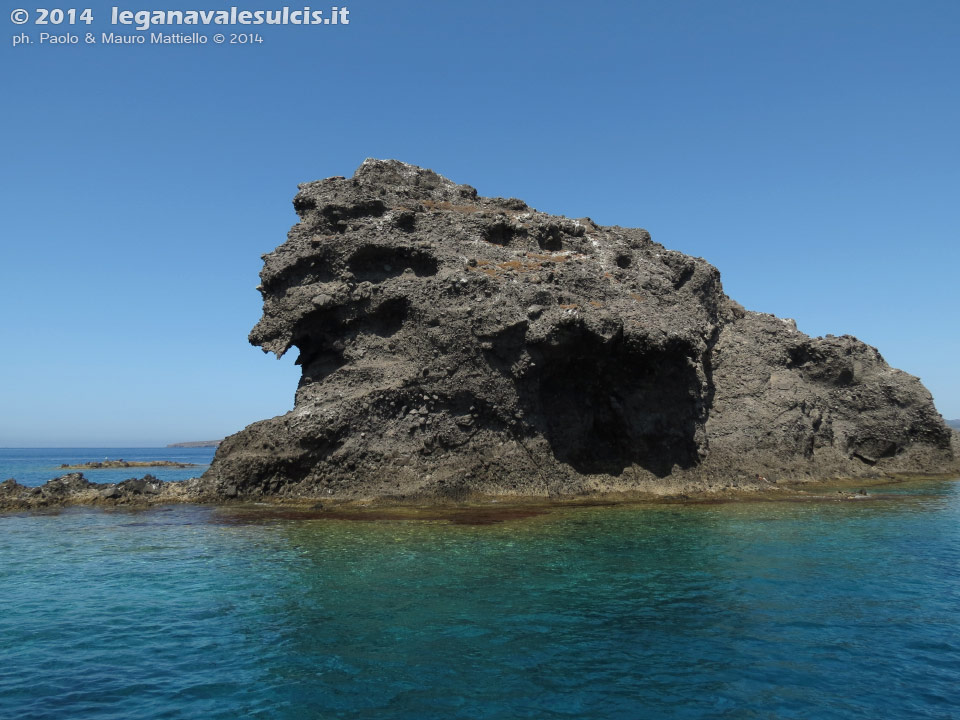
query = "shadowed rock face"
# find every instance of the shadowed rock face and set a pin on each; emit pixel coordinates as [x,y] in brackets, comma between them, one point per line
[452,343]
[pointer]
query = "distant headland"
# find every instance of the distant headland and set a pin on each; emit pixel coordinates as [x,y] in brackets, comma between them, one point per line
[196,444]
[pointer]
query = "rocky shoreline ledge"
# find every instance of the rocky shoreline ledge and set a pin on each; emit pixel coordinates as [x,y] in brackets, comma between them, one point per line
[74,490]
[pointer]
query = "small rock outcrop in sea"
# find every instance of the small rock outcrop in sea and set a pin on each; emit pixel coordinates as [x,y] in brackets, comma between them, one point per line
[121,463]
[75,489]
[452,343]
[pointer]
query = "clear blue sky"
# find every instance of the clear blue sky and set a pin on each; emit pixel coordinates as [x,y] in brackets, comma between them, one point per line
[807,149]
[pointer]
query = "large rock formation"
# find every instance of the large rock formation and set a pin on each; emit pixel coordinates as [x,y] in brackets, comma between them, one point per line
[451,343]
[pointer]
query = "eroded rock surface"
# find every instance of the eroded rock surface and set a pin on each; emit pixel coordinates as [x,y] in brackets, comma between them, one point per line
[75,489]
[452,343]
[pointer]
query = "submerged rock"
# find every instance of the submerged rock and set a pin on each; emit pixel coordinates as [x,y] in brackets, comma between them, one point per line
[452,343]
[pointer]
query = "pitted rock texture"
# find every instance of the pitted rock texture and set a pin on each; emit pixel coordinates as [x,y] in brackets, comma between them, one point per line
[75,489]
[453,344]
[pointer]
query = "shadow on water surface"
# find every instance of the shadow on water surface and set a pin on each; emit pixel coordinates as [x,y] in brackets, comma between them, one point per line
[454,516]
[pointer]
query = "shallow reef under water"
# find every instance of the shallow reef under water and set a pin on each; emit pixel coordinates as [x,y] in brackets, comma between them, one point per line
[720,610]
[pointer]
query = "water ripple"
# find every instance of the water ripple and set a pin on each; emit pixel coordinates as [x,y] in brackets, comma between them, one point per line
[765,611]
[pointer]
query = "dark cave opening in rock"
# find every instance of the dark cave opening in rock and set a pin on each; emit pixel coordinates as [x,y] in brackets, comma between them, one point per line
[320,353]
[336,218]
[501,233]
[604,408]
[324,334]
[375,264]
[550,238]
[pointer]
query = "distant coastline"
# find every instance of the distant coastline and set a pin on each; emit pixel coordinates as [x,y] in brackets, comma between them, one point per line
[197,444]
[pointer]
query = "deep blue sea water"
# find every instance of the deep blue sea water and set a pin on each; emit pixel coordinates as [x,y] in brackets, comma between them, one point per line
[762,610]
[34,466]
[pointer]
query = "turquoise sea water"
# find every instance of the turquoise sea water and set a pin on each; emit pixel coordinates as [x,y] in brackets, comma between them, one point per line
[773,610]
